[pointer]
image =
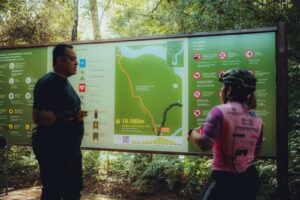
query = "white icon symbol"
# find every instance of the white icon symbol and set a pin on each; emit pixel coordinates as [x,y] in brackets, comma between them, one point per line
[175,85]
[11,96]
[28,80]
[81,87]
[27,95]
[11,65]
[11,80]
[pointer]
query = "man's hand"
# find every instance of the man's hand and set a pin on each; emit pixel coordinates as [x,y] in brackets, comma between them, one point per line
[81,114]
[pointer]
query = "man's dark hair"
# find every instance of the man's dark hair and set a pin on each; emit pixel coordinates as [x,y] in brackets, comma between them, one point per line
[59,50]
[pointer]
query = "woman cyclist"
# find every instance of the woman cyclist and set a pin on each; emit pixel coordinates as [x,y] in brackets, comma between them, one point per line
[235,133]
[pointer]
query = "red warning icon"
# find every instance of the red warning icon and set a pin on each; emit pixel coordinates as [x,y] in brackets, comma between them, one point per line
[222,55]
[196,75]
[221,73]
[82,87]
[197,112]
[249,54]
[197,56]
[197,94]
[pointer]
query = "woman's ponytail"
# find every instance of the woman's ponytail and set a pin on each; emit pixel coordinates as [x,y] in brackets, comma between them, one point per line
[251,101]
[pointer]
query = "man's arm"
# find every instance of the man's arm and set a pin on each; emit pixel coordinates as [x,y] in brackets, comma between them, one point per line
[43,118]
[47,118]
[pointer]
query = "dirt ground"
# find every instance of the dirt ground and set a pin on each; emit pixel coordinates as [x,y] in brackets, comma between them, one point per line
[33,193]
[93,190]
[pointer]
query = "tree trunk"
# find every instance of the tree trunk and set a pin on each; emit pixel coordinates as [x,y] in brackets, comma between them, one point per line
[75,21]
[95,20]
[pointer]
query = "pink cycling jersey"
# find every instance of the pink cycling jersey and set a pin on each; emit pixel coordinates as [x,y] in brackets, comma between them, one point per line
[235,132]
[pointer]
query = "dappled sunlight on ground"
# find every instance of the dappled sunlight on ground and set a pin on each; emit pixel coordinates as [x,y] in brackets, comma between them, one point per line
[34,193]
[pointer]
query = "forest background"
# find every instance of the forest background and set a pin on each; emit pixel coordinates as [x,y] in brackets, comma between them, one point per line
[29,22]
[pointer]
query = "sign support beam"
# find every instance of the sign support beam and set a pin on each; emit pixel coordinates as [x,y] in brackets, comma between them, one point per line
[282,111]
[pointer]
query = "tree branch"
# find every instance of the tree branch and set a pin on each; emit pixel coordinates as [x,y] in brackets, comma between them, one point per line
[154,8]
[105,8]
[147,14]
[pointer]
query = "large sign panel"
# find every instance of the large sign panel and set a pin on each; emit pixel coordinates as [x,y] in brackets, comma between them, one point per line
[143,95]
[19,71]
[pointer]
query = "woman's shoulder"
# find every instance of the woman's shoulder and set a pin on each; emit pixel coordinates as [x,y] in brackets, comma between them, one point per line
[216,111]
[225,106]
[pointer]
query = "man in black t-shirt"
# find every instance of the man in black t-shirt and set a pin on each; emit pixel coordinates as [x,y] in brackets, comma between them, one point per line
[2,142]
[59,118]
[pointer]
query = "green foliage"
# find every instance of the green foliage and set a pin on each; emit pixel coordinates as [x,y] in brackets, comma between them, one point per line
[18,166]
[101,165]
[197,171]
[294,164]
[19,161]
[91,163]
[148,173]
[181,174]
[164,172]
[35,22]
[267,174]
[137,18]
[115,164]
[293,98]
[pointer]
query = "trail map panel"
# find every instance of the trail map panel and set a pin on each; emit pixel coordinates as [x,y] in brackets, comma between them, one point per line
[148,93]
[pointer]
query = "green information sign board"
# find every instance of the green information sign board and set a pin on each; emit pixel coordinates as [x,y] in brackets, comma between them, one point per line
[143,94]
[19,71]
[209,57]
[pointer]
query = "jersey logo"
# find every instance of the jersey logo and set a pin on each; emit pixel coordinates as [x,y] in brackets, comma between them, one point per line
[238,135]
[252,113]
[254,136]
[241,152]
[247,122]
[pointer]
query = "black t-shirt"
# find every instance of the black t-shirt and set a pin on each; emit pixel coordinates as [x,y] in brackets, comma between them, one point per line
[55,93]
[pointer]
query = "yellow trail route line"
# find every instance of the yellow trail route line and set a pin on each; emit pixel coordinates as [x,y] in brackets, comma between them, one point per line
[132,91]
